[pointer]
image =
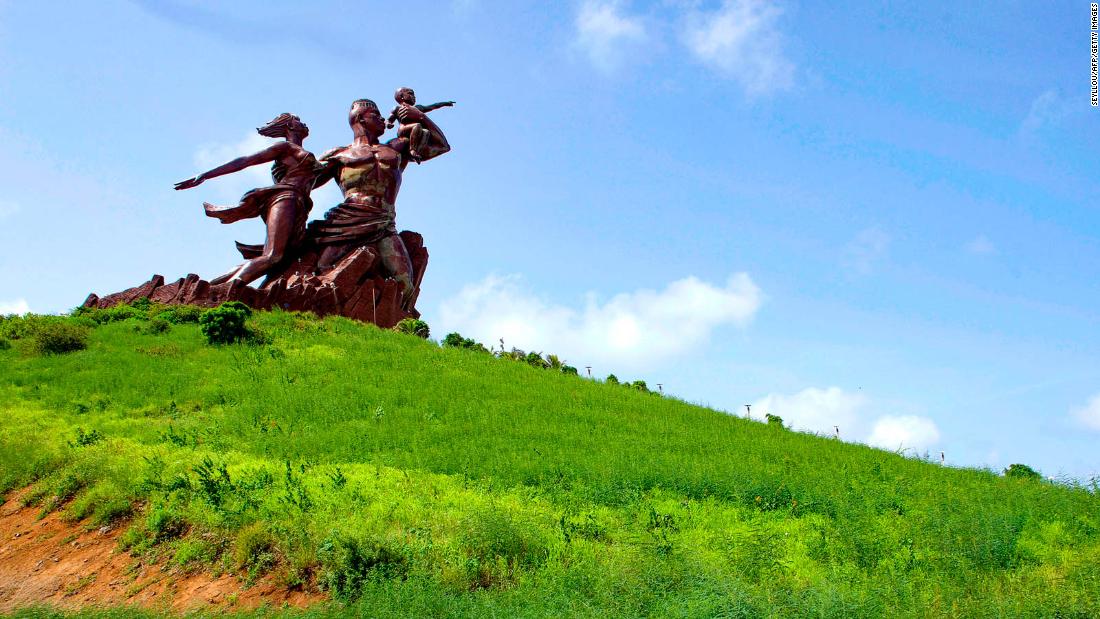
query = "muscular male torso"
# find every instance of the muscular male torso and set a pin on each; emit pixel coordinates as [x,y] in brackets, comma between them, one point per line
[368,172]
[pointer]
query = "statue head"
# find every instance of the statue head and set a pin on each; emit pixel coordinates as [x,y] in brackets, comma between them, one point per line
[283,126]
[405,95]
[365,116]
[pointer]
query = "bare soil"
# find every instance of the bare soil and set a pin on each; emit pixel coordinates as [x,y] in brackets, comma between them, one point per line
[52,562]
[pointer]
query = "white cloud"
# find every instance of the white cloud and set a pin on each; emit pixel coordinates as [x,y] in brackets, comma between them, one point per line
[606,35]
[864,252]
[821,411]
[232,186]
[632,330]
[740,40]
[904,432]
[18,306]
[815,410]
[981,246]
[1089,414]
[1046,110]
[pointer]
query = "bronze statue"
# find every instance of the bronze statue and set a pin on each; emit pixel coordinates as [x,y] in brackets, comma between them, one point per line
[283,206]
[353,262]
[369,175]
[413,131]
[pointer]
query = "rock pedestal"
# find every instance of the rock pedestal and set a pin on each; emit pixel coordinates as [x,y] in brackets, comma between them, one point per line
[355,287]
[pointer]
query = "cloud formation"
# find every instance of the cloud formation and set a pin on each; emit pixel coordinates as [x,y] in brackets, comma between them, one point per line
[606,35]
[821,411]
[18,306]
[634,330]
[814,410]
[904,432]
[1047,110]
[1089,414]
[740,40]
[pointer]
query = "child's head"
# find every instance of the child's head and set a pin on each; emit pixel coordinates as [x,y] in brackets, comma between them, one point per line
[405,95]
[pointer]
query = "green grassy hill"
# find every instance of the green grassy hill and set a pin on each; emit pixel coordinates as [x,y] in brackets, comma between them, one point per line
[414,480]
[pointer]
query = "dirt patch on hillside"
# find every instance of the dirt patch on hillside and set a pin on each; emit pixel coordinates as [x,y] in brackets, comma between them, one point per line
[63,564]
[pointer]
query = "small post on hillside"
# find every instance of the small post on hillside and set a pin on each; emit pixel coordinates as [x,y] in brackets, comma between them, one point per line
[589,368]
[837,428]
[660,388]
[748,410]
[943,458]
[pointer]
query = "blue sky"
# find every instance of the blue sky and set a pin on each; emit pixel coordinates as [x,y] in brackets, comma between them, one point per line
[881,218]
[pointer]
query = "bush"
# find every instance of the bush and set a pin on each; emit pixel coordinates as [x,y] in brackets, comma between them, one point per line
[413,326]
[612,379]
[774,420]
[225,324]
[4,344]
[640,385]
[109,314]
[180,314]
[254,550]
[1022,471]
[455,340]
[155,326]
[55,337]
[349,563]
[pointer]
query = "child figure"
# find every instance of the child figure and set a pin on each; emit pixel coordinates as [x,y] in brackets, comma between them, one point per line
[413,132]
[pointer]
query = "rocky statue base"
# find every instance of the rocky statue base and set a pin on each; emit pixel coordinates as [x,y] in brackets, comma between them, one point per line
[354,288]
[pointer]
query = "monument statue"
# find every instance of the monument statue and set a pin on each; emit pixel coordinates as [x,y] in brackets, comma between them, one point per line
[352,262]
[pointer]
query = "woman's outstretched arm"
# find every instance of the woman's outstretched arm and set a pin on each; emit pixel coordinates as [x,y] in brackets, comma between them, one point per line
[271,153]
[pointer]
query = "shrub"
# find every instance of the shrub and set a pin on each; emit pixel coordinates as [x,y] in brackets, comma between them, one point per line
[349,563]
[55,337]
[4,344]
[612,379]
[109,314]
[180,314]
[640,385]
[155,326]
[535,360]
[18,327]
[225,324]
[568,369]
[254,550]
[413,326]
[774,420]
[455,340]
[1022,471]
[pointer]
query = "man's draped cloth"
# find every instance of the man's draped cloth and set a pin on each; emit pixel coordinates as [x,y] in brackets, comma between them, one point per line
[365,221]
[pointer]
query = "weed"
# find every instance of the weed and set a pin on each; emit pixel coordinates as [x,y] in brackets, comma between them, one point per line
[85,439]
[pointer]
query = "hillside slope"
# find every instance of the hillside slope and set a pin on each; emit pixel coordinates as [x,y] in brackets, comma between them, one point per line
[417,480]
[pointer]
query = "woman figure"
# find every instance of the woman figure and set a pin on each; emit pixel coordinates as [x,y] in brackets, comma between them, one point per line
[283,206]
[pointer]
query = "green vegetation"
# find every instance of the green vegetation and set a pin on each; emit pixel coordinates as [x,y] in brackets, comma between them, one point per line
[410,479]
[413,326]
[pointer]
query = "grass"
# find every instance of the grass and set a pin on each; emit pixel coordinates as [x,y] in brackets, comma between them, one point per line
[410,480]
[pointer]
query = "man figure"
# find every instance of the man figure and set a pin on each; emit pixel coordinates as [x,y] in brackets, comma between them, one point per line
[369,175]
